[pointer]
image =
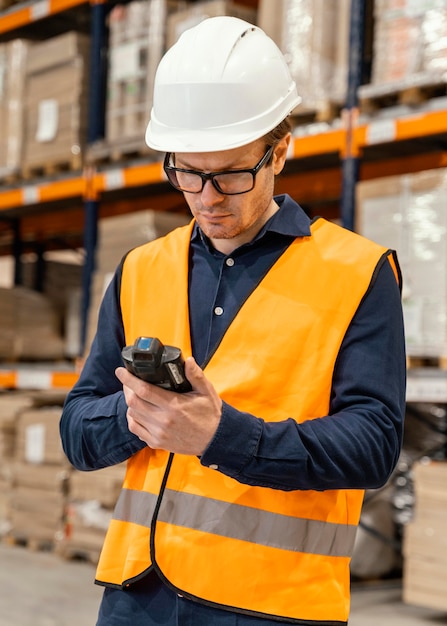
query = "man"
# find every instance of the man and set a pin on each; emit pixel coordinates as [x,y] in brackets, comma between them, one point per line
[242,496]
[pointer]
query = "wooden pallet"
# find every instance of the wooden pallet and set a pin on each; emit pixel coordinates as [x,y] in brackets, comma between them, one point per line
[72,164]
[421,89]
[72,552]
[104,152]
[416,362]
[326,111]
[10,177]
[34,544]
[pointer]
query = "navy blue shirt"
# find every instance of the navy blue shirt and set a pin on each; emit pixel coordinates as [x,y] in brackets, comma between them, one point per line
[354,447]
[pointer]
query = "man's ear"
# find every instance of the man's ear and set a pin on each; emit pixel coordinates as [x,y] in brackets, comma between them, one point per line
[280,153]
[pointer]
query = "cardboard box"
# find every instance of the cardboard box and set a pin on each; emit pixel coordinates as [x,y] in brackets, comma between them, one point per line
[11,405]
[425,538]
[116,236]
[56,109]
[29,328]
[102,486]
[38,438]
[36,506]
[36,514]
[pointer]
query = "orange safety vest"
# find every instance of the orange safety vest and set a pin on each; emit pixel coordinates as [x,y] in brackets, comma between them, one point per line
[263,551]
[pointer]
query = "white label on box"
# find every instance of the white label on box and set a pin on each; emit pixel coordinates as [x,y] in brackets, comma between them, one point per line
[114,179]
[40,9]
[125,61]
[30,194]
[47,120]
[33,379]
[381,131]
[35,443]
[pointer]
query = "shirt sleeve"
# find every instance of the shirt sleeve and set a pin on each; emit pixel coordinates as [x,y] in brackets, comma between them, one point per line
[357,445]
[93,424]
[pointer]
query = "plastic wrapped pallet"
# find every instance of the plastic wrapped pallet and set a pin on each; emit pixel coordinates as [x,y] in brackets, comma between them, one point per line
[409,45]
[397,46]
[137,43]
[314,36]
[425,539]
[434,36]
[12,86]
[409,213]
[180,21]
[56,103]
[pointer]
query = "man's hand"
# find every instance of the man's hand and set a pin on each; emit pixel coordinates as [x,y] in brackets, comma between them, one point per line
[183,423]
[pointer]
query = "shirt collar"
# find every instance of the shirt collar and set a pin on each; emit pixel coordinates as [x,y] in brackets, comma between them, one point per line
[289,220]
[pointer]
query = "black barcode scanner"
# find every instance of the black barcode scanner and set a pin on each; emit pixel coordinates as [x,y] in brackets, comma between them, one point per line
[155,363]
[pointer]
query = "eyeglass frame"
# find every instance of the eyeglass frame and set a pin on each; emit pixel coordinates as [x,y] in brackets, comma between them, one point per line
[211,175]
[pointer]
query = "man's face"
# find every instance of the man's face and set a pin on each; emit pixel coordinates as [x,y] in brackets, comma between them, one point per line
[232,220]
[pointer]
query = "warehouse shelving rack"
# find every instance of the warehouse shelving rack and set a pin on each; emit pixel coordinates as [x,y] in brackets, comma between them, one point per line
[321,172]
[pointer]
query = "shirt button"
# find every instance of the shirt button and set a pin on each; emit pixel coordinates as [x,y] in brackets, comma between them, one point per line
[213,466]
[230,262]
[218,310]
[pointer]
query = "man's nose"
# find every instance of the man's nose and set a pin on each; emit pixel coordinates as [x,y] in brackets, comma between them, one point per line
[210,195]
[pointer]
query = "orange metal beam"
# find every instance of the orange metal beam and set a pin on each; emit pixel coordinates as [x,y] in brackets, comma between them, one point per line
[16,18]
[321,143]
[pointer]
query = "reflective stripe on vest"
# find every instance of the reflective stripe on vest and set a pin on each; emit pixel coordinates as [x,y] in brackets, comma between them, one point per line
[266,528]
[261,551]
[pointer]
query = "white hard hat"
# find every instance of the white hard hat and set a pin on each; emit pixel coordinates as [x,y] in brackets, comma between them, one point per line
[224,84]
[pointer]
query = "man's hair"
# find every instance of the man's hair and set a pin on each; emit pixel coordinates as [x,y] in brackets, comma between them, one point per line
[274,136]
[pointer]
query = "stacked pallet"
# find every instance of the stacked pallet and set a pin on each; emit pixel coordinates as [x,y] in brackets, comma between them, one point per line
[11,404]
[45,504]
[56,104]
[12,89]
[136,44]
[409,54]
[29,327]
[118,235]
[91,499]
[40,473]
[425,539]
[314,36]
[132,60]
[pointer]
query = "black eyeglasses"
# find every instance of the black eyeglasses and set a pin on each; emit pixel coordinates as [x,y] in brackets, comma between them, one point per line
[229,182]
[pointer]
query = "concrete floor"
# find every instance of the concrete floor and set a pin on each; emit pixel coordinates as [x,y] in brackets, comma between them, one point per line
[42,589]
